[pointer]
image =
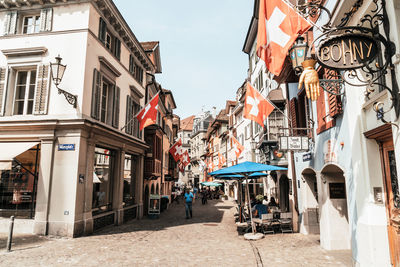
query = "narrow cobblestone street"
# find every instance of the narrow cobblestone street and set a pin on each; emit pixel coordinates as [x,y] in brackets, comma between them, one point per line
[208,239]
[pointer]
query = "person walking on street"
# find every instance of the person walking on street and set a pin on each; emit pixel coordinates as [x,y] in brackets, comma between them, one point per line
[203,196]
[188,203]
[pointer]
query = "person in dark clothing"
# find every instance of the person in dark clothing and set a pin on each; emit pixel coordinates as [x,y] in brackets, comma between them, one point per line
[272,202]
[203,196]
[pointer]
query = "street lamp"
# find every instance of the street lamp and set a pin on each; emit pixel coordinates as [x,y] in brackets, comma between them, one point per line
[253,145]
[57,72]
[298,54]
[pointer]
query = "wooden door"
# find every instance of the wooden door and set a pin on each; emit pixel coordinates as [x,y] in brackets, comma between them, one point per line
[391,183]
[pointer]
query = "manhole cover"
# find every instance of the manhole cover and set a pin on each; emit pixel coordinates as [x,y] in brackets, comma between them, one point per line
[210,224]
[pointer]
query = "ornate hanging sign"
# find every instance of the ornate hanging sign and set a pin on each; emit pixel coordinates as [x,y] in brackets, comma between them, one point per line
[347,51]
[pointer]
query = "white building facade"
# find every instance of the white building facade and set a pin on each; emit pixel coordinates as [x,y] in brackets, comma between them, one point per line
[80,166]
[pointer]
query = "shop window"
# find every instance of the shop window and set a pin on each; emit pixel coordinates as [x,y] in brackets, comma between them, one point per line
[130,172]
[18,185]
[24,92]
[105,100]
[103,179]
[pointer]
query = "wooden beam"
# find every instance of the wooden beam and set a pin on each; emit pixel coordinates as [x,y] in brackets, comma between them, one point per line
[3,2]
[16,3]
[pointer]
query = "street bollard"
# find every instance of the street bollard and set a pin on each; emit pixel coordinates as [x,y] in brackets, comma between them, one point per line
[10,233]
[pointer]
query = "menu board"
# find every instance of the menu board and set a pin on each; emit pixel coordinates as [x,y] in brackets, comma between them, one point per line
[337,190]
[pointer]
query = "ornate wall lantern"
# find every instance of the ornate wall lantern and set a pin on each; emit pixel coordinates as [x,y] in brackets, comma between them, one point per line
[298,54]
[57,73]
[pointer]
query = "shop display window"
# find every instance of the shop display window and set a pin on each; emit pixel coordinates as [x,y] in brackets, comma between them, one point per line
[18,185]
[130,171]
[103,179]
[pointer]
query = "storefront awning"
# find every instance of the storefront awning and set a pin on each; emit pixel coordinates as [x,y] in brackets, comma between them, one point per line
[9,150]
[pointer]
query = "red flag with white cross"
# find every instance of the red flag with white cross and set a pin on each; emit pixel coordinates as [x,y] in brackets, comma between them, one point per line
[236,146]
[278,27]
[148,115]
[185,159]
[221,160]
[256,107]
[176,150]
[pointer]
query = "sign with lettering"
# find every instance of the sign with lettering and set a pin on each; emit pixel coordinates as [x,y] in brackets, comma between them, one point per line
[66,147]
[347,51]
[337,190]
[307,157]
[297,143]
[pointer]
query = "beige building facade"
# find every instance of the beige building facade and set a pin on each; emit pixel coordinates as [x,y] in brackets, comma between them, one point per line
[80,165]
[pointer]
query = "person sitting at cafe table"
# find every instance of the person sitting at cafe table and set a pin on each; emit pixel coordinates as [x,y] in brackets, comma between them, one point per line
[259,209]
[272,202]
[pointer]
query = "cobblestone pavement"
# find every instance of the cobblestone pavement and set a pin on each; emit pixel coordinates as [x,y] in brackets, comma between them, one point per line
[210,238]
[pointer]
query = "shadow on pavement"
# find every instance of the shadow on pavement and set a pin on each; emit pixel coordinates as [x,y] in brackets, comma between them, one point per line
[20,240]
[208,214]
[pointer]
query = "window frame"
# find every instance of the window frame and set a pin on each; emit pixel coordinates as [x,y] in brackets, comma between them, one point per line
[27,88]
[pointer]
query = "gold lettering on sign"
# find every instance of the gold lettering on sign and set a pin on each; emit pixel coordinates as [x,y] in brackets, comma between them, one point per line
[369,48]
[349,50]
[358,51]
[336,51]
[325,53]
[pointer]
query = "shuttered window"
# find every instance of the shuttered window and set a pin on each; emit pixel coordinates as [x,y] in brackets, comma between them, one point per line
[27,23]
[42,90]
[102,30]
[2,90]
[111,42]
[293,114]
[105,100]
[132,123]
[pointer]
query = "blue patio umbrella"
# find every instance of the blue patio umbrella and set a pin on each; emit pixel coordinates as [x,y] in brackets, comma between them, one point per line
[254,175]
[211,184]
[246,169]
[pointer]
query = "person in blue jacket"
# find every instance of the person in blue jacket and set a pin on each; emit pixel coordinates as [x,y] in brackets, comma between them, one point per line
[188,203]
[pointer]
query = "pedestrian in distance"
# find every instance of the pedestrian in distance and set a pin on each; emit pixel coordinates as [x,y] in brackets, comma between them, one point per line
[203,196]
[188,203]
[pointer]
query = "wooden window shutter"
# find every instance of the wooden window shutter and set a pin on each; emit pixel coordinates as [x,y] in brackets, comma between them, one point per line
[321,110]
[42,90]
[96,94]
[2,89]
[117,48]
[46,17]
[115,121]
[128,116]
[102,30]
[10,25]
[335,102]
[293,113]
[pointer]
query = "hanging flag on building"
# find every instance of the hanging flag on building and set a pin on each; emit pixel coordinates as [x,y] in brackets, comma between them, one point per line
[221,160]
[176,150]
[148,115]
[185,159]
[256,107]
[181,167]
[278,27]
[236,146]
[210,164]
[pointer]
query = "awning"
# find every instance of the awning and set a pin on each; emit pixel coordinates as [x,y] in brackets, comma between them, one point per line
[9,150]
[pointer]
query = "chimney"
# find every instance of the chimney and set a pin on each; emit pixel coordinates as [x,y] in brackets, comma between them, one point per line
[214,112]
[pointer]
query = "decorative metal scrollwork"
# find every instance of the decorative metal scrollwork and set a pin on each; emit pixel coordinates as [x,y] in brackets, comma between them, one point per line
[71,99]
[372,74]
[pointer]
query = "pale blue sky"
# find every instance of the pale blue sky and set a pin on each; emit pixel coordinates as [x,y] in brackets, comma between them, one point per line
[201,46]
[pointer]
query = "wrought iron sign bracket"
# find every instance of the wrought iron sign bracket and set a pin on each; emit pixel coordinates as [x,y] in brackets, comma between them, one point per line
[353,51]
[71,99]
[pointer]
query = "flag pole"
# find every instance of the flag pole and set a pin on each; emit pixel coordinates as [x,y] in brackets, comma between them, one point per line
[302,15]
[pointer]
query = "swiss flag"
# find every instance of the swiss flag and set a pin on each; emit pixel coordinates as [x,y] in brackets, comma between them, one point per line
[256,107]
[236,146]
[181,167]
[176,150]
[278,27]
[210,165]
[148,115]
[221,160]
[185,159]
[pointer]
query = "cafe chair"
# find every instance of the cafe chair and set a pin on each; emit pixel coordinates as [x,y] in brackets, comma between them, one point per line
[267,220]
[285,222]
